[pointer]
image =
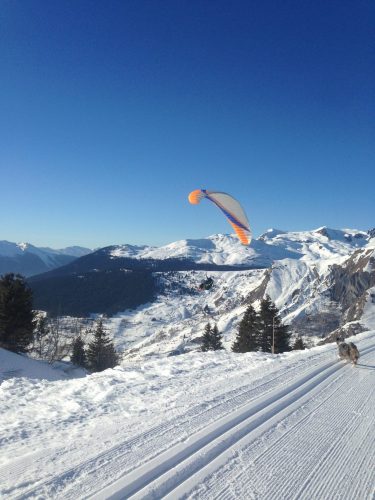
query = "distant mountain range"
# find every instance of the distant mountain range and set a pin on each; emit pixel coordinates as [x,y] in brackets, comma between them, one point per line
[28,260]
[302,271]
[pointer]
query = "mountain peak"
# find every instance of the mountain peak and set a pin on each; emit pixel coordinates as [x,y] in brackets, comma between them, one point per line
[23,246]
[271,233]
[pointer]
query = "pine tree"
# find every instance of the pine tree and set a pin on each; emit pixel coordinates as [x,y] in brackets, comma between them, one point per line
[101,353]
[16,313]
[299,344]
[206,342]
[271,328]
[282,338]
[78,355]
[41,334]
[216,339]
[211,339]
[247,338]
[268,322]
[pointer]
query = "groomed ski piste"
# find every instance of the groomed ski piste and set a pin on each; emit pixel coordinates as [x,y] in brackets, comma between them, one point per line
[298,425]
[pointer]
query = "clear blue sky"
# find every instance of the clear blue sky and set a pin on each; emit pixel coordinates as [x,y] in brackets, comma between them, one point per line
[111,112]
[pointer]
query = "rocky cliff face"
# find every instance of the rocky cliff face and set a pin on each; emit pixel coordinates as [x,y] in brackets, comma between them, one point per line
[353,290]
[317,299]
[351,282]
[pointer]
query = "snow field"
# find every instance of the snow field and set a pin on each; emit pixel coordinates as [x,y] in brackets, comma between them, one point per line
[174,473]
[217,413]
[323,449]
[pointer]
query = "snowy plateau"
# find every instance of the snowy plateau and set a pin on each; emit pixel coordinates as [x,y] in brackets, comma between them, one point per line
[174,422]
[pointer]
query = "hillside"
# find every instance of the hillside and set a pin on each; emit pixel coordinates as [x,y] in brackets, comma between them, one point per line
[106,292]
[328,290]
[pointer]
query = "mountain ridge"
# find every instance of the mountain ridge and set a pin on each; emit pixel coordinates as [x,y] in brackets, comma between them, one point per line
[27,259]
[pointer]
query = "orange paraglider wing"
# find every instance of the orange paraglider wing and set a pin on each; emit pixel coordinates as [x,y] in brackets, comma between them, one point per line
[230,207]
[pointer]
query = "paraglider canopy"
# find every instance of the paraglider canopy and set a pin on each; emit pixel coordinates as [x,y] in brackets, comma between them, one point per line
[231,209]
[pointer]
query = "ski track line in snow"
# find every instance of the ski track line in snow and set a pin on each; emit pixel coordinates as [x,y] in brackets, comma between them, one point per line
[130,446]
[117,458]
[345,451]
[341,460]
[67,484]
[168,471]
[220,487]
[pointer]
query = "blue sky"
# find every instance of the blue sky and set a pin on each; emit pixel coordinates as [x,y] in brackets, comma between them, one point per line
[112,112]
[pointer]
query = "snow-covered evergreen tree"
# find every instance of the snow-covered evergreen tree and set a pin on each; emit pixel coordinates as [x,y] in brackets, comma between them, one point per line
[216,339]
[247,338]
[299,344]
[41,334]
[272,329]
[101,353]
[206,342]
[16,313]
[212,339]
[78,353]
[256,330]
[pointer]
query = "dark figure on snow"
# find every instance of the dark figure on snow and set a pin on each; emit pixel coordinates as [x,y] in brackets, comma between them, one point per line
[347,351]
[206,284]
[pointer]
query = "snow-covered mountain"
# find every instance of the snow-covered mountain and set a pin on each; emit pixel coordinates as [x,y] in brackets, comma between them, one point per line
[219,250]
[223,249]
[322,281]
[73,251]
[28,260]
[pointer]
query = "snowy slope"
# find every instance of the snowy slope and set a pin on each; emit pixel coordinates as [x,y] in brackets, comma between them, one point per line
[18,365]
[299,279]
[174,323]
[203,425]
[313,278]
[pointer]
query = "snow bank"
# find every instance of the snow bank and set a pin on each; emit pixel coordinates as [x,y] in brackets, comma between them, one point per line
[17,365]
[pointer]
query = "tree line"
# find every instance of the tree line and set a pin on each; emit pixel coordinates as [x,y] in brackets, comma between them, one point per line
[260,330]
[22,330]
